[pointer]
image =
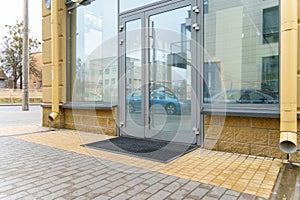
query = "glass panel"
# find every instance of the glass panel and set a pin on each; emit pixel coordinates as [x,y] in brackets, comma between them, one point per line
[239,67]
[134,94]
[170,71]
[131,4]
[93,52]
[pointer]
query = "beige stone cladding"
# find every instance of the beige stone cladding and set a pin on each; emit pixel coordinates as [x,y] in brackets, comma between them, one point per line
[100,121]
[245,135]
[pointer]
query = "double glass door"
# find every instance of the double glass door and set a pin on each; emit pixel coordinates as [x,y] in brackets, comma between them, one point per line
[158,73]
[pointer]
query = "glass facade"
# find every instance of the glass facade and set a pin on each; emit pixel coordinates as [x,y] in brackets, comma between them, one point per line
[93,52]
[241,51]
[241,44]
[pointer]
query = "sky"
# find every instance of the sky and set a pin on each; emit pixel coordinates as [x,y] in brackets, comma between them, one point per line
[12,10]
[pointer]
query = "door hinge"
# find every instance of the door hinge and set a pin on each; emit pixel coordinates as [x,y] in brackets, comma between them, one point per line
[121,28]
[196,131]
[196,9]
[196,27]
[122,124]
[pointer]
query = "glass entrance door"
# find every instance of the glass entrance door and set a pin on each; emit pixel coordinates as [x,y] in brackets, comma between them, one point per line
[158,66]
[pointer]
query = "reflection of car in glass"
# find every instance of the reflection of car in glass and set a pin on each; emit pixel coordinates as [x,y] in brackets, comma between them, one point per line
[242,96]
[159,95]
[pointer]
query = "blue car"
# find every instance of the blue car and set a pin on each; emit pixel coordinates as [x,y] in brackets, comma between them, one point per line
[159,96]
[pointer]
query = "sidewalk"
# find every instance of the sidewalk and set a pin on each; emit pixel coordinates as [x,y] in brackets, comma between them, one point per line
[43,163]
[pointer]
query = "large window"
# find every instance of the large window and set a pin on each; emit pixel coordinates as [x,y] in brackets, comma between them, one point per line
[240,68]
[93,52]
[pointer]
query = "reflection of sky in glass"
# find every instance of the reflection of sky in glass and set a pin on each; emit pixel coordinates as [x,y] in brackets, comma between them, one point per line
[133,39]
[96,24]
[163,20]
[130,4]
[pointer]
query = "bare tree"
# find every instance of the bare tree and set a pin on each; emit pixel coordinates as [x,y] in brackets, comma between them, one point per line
[11,54]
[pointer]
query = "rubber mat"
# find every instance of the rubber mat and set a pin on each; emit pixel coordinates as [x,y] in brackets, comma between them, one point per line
[156,150]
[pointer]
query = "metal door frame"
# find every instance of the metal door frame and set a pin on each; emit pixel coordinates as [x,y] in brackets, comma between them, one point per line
[197,62]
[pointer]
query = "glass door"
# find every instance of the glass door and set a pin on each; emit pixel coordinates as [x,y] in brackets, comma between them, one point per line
[170,81]
[131,76]
[159,67]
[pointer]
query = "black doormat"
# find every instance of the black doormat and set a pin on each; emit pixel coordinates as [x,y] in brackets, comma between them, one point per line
[156,150]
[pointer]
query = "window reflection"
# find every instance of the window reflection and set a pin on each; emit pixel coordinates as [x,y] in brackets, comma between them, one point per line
[93,52]
[241,52]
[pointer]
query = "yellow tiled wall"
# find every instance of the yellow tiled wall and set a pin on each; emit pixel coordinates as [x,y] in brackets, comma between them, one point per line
[46,48]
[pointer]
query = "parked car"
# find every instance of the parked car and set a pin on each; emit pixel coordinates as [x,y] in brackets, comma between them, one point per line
[159,95]
[245,96]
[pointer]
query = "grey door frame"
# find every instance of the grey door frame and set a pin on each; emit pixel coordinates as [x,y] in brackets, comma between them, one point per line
[197,62]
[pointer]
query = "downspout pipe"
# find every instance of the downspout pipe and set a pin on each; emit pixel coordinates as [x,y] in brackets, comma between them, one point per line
[55,60]
[288,76]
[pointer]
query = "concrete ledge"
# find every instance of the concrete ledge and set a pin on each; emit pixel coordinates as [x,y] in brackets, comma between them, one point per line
[242,112]
[88,106]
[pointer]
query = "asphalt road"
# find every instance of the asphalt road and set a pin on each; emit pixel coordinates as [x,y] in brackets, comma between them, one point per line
[14,116]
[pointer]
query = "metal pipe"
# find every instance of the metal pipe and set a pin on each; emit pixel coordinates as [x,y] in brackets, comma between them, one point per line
[288,76]
[25,62]
[55,60]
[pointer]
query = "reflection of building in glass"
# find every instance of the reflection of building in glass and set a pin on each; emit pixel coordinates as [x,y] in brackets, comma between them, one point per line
[102,84]
[241,36]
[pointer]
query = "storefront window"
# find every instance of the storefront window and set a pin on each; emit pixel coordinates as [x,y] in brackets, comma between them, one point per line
[130,4]
[241,64]
[93,52]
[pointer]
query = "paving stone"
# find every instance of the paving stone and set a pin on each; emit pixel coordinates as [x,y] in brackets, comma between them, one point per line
[116,191]
[116,183]
[40,193]
[173,186]
[134,182]
[122,196]
[179,194]
[198,193]
[228,197]
[97,192]
[141,195]
[102,197]
[98,184]
[40,172]
[80,192]
[115,177]
[136,189]
[59,187]
[168,179]
[232,193]
[216,192]
[160,195]
[154,188]
[191,185]
[246,197]
[16,195]
[55,195]
[209,198]
[82,178]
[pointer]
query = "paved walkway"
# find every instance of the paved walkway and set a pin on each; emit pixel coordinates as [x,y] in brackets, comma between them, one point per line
[37,163]
[33,171]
